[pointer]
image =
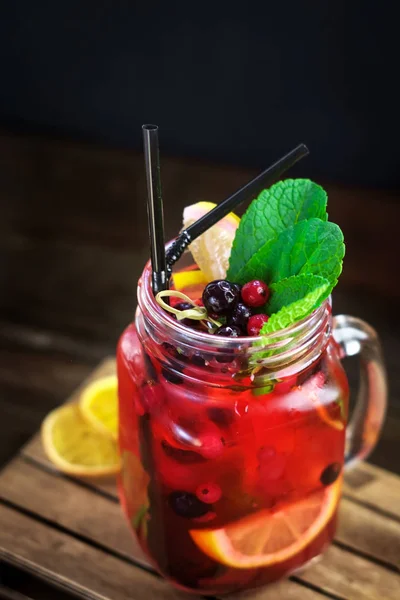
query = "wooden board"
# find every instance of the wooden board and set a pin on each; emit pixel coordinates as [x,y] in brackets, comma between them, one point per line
[71,533]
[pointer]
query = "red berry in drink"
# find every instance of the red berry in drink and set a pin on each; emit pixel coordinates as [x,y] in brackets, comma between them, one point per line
[211,445]
[209,493]
[255,293]
[255,323]
[210,516]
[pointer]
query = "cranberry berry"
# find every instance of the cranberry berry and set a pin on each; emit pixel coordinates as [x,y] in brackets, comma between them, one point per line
[229,331]
[255,293]
[240,315]
[255,323]
[209,493]
[220,296]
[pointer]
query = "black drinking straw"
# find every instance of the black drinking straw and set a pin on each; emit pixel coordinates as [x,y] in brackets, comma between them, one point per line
[155,208]
[254,187]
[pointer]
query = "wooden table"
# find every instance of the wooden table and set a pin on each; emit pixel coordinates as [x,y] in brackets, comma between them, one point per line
[64,537]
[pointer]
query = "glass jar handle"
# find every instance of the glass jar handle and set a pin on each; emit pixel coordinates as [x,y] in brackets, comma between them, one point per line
[354,336]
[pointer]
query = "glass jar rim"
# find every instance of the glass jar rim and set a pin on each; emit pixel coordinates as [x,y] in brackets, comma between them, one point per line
[302,332]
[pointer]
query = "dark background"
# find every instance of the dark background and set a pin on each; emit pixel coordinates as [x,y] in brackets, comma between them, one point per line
[228,83]
[231,89]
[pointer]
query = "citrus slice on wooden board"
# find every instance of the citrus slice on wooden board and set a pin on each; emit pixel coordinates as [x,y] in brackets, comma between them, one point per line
[212,249]
[99,405]
[269,537]
[75,447]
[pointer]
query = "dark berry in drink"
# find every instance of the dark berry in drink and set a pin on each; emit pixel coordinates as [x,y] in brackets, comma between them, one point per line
[240,315]
[331,473]
[151,372]
[228,331]
[255,323]
[209,493]
[198,360]
[227,356]
[186,457]
[187,505]
[223,417]
[170,350]
[188,322]
[220,296]
[255,293]
[172,376]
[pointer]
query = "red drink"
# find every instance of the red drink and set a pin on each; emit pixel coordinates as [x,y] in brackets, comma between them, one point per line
[231,462]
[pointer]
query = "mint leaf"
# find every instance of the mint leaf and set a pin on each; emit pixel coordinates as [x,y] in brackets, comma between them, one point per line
[294,288]
[312,246]
[282,205]
[296,310]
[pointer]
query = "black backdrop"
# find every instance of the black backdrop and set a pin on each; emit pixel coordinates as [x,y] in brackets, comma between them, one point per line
[230,84]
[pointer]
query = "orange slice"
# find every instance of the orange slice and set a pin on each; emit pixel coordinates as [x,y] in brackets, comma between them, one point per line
[270,537]
[212,249]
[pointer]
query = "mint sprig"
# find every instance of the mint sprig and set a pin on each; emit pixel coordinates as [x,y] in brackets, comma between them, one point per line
[297,310]
[312,246]
[281,206]
[292,289]
[284,239]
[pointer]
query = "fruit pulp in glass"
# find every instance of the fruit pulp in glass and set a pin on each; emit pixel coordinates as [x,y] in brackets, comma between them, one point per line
[228,488]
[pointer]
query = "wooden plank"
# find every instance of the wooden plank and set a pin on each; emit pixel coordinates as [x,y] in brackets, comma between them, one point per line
[34,450]
[374,487]
[76,566]
[51,374]
[283,590]
[96,518]
[370,533]
[63,502]
[349,576]
[87,514]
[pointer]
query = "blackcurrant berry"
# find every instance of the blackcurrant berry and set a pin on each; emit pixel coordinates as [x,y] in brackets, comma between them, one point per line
[188,322]
[220,296]
[187,505]
[240,315]
[331,473]
[185,457]
[198,360]
[229,331]
[171,376]
[221,416]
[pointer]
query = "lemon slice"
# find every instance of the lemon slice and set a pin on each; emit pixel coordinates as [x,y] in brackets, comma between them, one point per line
[270,537]
[212,249]
[99,405]
[184,279]
[75,447]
